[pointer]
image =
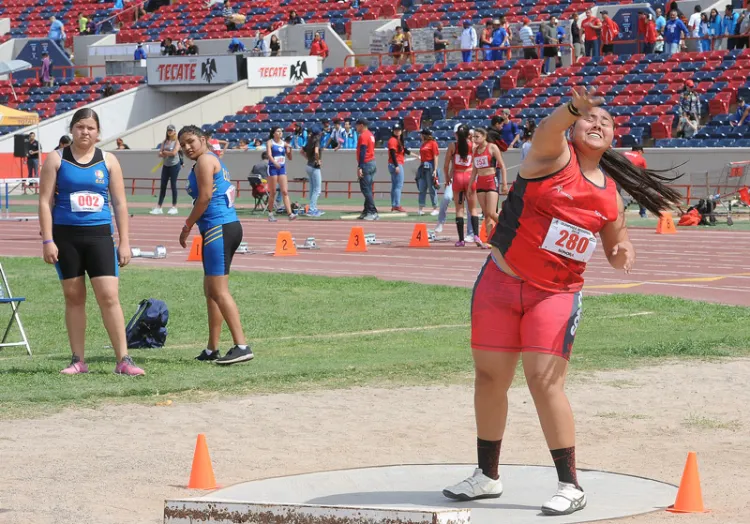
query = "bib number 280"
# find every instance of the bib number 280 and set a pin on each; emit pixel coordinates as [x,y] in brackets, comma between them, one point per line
[85,202]
[570,241]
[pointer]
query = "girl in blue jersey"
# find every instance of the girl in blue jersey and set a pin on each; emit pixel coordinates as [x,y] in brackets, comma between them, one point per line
[75,187]
[210,186]
[278,153]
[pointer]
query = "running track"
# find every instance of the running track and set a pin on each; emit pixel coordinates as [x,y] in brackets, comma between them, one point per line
[697,264]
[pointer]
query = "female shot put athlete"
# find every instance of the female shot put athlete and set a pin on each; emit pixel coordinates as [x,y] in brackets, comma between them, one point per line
[75,185]
[210,186]
[527,297]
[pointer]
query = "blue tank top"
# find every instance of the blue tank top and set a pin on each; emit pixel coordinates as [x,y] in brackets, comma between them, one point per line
[220,208]
[278,152]
[82,191]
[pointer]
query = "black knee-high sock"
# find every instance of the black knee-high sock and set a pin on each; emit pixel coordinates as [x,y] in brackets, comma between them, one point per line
[565,463]
[475,225]
[460,227]
[488,457]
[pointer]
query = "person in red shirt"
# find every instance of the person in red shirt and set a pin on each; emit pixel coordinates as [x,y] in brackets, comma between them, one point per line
[610,30]
[527,298]
[427,174]
[366,169]
[636,158]
[650,35]
[487,160]
[319,46]
[458,168]
[591,26]
[396,153]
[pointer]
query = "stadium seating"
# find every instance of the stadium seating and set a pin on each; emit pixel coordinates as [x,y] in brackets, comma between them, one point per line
[64,96]
[185,19]
[641,92]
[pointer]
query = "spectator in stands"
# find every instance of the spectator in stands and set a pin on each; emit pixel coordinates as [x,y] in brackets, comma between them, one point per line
[140,53]
[366,169]
[325,138]
[121,144]
[228,14]
[549,33]
[704,32]
[526,34]
[190,47]
[485,40]
[396,153]
[294,18]
[260,48]
[168,47]
[319,46]
[407,55]
[591,26]
[32,158]
[243,145]
[275,45]
[299,136]
[674,32]
[468,41]
[650,36]
[689,100]
[236,45]
[687,125]
[742,31]
[397,45]
[350,136]
[716,27]
[575,35]
[313,153]
[728,25]
[742,114]
[427,174]
[439,44]
[57,32]
[338,135]
[83,24]
[46,67]
[660,21]
[500,38]
[509,131]
[259,146]
[609,32]
[65,141]
[694,26]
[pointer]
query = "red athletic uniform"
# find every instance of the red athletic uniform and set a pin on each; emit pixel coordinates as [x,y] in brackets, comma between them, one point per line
[485,183]
[461,172]
[546,234]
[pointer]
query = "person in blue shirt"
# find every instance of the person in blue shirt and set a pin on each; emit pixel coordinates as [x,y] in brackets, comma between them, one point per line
[57,32]
[140,53]
[728,24]
[210,186]
[674,31]
[76,184]
[279,151]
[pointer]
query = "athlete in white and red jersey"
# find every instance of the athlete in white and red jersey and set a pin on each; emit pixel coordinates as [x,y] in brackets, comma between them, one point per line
[458,167]
[527,297]
[487,159]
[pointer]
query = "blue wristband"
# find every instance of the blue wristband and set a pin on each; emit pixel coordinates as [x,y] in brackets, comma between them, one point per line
[47,241]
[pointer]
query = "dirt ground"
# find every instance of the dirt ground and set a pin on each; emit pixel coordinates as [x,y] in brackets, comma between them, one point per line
[119,464]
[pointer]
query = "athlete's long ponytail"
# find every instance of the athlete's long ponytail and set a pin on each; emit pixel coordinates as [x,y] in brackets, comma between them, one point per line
[462,134]
[646,186]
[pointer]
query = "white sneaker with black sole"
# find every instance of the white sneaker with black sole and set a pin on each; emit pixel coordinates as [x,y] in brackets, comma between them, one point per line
[478,486]
[567,500]
[235,355]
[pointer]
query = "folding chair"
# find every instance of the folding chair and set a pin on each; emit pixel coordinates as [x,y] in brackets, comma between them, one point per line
[7,298]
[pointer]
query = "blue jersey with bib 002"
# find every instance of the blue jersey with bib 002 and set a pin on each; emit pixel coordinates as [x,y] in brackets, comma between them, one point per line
[82,192]
[220,208]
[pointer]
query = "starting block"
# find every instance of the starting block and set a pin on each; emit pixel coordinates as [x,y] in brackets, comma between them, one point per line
[309,244]
[371,240]
[243,249]
[432,236]
[159,252]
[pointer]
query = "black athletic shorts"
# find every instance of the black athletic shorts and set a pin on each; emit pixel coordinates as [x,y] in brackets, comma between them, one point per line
[219,244]
[85,250]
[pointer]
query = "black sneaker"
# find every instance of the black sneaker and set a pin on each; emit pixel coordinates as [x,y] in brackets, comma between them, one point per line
[235,355]
[205,356]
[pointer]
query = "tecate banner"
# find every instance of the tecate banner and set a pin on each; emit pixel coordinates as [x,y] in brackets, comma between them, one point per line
[191,70]
[281,71]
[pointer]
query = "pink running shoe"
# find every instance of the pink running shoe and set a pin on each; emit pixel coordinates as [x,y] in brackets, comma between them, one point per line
[128,367]
[75,367]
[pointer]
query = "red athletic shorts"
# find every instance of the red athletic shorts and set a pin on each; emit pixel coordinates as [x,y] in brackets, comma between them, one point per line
[486,183]
[461,182]
[509,314]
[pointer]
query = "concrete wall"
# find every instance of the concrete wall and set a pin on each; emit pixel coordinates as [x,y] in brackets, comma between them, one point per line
[116,114]
[4,26]
[208,109]
[82,46]
[341,165]
[361,31]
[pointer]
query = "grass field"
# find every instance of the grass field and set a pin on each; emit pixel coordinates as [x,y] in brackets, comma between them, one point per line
[306,332]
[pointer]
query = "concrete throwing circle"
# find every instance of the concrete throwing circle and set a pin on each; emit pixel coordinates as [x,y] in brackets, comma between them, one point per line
[526,488]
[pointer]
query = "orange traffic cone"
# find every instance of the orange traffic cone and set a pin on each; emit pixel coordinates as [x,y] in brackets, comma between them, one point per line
[689,498]
[483,232]
[419,236]
[202,473]
[357,242]
[196,249]
[665,225]
[285,245]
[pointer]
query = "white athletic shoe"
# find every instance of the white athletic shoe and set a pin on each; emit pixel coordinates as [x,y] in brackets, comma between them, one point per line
[478,486]
[172,211]
[156,211]
[435,212]
[469,238]
[567,500]
[439,228]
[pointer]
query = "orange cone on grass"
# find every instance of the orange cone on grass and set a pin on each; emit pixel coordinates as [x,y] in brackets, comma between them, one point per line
[357,242]
[689,497]
[202,473]
[419,236]
[196,249]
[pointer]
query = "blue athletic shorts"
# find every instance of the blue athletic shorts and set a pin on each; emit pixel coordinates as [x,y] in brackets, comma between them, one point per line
[219,244]
[273,171]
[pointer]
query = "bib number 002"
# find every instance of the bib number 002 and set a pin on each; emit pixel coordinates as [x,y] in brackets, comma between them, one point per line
[85,202]
[569,241]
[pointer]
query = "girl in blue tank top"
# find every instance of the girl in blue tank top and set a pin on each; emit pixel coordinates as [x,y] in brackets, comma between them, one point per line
[278,153]
[210,186]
